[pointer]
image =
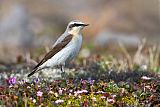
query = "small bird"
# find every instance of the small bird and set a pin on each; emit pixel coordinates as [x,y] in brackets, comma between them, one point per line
[64,49]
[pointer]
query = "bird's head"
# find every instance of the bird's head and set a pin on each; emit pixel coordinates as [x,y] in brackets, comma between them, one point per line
[75,27]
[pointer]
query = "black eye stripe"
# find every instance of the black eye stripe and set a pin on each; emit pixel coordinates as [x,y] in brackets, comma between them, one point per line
[78,24]
[74,25]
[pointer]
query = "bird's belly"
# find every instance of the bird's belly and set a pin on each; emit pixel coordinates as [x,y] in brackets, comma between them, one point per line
[75,49]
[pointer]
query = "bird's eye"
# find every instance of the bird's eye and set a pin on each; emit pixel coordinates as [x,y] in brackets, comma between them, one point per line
[71,26]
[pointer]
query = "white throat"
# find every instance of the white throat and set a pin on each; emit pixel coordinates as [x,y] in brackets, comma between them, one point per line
[75,31]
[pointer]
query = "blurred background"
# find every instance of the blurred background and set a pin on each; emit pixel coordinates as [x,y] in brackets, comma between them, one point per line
[28,26]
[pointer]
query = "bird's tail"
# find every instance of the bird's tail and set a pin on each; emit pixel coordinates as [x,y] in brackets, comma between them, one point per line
[32,72]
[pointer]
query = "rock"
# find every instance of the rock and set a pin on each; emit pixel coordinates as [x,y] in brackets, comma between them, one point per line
[105,38]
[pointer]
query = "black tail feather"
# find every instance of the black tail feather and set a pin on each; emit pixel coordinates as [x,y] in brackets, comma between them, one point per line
[32,72]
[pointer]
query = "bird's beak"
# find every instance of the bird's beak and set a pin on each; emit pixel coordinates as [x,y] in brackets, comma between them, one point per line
[85,24]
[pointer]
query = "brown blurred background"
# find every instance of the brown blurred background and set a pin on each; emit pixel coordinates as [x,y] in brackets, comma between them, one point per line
[26,25]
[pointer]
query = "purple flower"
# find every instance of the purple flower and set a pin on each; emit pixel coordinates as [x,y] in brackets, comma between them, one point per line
[90,81]
[12,81]
[39,94]
[83,81]
[35,80]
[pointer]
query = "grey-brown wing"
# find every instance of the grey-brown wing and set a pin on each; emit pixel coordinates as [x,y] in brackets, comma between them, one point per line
[55,50]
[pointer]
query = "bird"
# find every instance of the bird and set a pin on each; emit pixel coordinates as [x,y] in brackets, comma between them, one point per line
[65,49]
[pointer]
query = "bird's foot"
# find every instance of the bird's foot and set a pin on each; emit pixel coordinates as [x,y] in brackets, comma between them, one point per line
[63,74]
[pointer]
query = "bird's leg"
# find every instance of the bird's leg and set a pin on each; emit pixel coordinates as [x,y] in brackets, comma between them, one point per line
[63,71]
[62,68]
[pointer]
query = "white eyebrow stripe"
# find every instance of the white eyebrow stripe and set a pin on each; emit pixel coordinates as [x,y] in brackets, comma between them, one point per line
[76,22]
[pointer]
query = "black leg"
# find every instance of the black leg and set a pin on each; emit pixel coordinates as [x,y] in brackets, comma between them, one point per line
[62,68]
[63,71]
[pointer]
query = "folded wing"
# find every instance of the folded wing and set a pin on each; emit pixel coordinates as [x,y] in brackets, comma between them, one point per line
[58,47]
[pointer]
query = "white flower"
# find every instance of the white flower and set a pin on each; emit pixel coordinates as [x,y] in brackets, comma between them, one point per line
[56,94]
[59,101]
[94,98]
[79,97]
[70,94]
[145,78]
[30,98]
[28,87]
[148,86]
[50,92]
[10,86]
[34,100]
[70,91]
[100,92]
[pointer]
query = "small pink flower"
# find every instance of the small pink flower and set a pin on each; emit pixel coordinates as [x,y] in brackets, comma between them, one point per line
[80,92]
[84,91]
[60,91]
[103,97]
[113,96]
[111,100]
[39,94]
